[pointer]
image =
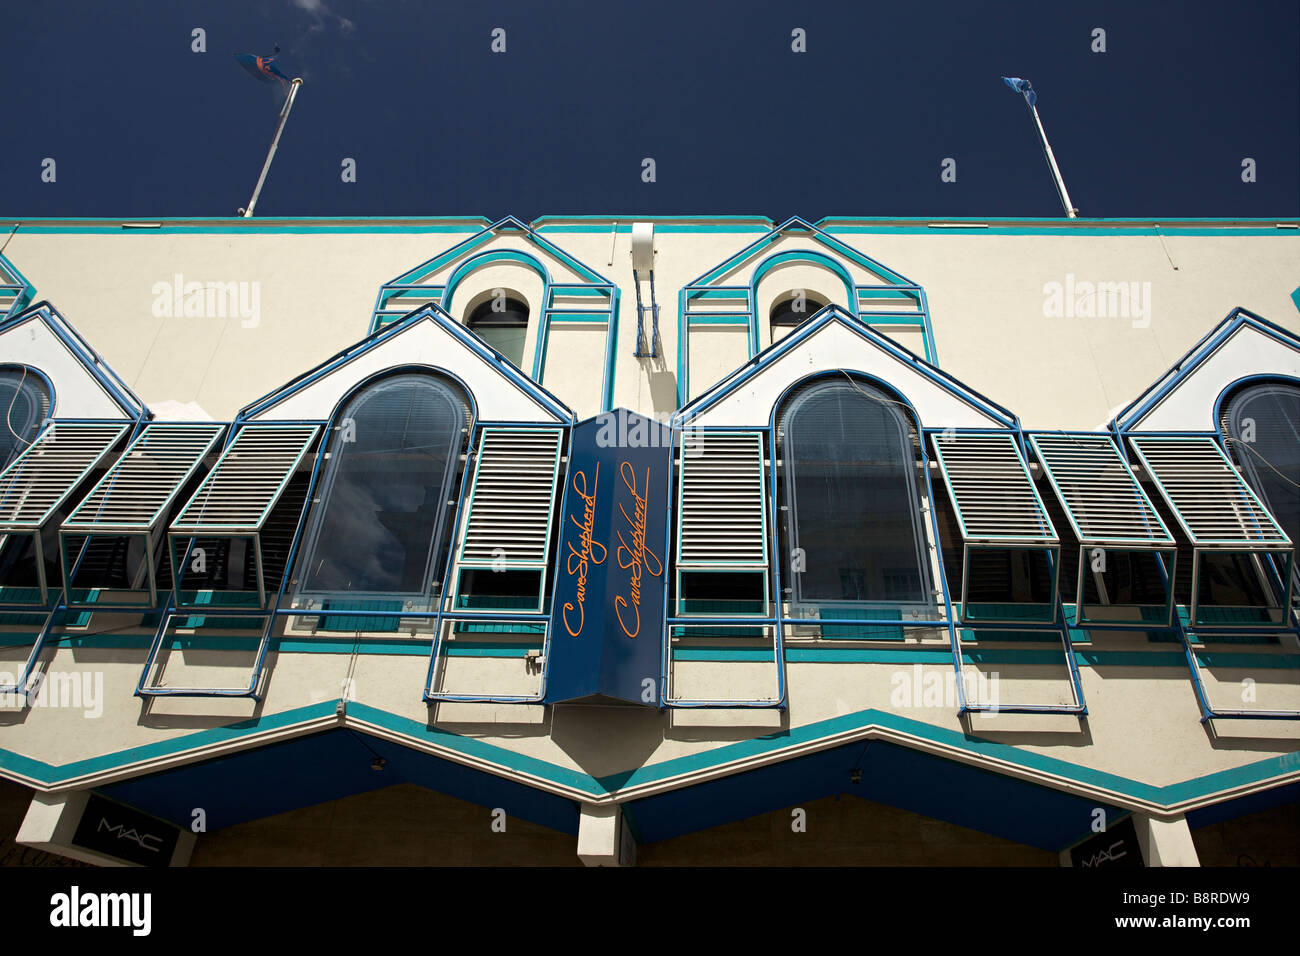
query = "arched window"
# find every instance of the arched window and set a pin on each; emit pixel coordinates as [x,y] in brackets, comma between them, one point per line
[1263,430]
[853,543]
[502,322]
[25,401]
[791,309]
[380,525]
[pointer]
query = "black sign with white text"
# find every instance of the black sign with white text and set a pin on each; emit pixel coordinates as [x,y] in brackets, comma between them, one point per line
[128,834]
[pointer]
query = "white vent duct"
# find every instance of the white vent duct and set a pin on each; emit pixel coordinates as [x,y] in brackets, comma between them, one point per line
[643,269]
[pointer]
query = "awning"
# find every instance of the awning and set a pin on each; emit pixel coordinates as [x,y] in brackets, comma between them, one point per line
[237,496]
[38,482]
[1221,516]
[997,509]
[133,497]
[1109,512]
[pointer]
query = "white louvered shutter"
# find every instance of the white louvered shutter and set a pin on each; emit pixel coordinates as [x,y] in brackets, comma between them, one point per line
[512,508]
[722,518]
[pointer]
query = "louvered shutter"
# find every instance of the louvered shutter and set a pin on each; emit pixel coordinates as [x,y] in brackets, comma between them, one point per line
[722,516]
[512,505]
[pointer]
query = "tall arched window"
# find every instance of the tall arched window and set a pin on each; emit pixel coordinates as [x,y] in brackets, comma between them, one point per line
[379,527]
[25,403]
[1263,428]
[502,322]
[853,542]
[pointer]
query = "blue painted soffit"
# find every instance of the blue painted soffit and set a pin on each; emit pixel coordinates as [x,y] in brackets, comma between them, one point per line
[571,783]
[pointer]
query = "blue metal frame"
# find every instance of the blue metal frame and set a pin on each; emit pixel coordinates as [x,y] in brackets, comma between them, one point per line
[704,287]
[542,617]
[408,285]
[255,679]
[13,283]
[1186,633]
[778,621]
[1165,550]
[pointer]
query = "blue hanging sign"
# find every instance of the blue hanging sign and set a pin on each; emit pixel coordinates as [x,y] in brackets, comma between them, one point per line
[608,613]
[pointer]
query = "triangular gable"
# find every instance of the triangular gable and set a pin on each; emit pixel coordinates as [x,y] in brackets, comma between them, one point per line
[426,338]
[84,385]
[831,341]
[508,239]
[728,272]
[1186,398]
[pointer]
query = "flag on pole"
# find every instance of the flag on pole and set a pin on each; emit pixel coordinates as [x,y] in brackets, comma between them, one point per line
[1022,86]
[262,67]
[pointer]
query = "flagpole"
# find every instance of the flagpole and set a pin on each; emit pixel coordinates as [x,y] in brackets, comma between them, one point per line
[275,142]
[1070,211]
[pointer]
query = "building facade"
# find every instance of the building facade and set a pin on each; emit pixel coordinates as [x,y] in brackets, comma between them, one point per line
[626,530]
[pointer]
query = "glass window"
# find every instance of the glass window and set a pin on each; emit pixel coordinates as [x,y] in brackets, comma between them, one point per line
[790,310]
[25,400]
[380,524]
[852,521]
[1263,429]
[502,324]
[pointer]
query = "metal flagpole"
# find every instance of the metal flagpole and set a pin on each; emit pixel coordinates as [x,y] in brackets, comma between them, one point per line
[266,166]
[1070,211]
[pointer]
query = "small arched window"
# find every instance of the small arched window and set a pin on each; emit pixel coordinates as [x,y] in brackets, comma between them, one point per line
[380,524]
[25,401]
[502,322]
[791,309]
[852,533]
[1263,430]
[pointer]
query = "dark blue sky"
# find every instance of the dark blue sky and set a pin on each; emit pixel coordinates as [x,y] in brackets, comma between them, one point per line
[737,123]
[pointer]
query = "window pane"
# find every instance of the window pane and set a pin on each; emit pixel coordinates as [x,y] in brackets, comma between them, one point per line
[24,402]
[851,491]
[385,492]
[508,340]
[1264,428]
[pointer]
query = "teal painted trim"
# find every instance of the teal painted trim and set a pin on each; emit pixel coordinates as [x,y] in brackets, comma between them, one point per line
[1193,231]
[585,318]
[51,773]
[741,320]
[1248,661]
[172,230]
[419,647]
[469,746]
[888,322]
[491,649]
[699,228]
[756,747]
[943,656]
[477,262]
[1295,297]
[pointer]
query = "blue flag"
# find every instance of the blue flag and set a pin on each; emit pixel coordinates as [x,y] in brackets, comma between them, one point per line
[1022,86]
[262,67]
